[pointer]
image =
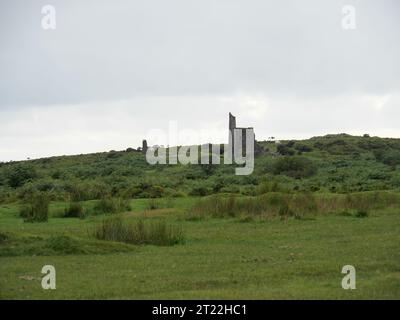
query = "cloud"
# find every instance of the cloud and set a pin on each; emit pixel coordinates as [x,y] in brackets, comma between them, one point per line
[71,129]
[112,71]
[104,50]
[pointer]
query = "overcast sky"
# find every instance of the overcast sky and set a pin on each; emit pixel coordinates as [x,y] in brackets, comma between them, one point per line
[112,72]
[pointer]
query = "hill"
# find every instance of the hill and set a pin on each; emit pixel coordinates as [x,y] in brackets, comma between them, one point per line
[332,163]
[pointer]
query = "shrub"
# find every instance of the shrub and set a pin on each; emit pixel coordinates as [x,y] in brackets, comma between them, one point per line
[19,175]
[296,167]
[199,191]
[105,205]
[388,157]
[302,147]
[145,190]
[86,191]
[74,210]
[266,187]
[154,192]
[26,192]
[218,185]
[178,194]
[156,233]
[36,209]
[285,150]
[44,185]
[208,169]
[76,191]
[112,205]
[231,189]
[336,145]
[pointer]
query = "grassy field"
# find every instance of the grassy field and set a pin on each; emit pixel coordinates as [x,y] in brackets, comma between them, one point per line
[221,258]
[117,227]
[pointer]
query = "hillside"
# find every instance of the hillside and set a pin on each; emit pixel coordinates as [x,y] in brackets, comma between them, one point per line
[283,232]
[332,163]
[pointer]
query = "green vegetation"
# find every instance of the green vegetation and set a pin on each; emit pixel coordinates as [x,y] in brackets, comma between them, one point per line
[278,204]
[157,233]
[112,205]
[116,227]
[74,210]
[296,167]
[3,238]
[229,257]
[333,163]
[36,208]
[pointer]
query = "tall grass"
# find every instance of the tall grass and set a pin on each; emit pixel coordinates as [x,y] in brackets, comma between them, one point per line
[111,205]
[298,205]
[267,205]
[154,204]
[139,232]
[36,208]
[74,210]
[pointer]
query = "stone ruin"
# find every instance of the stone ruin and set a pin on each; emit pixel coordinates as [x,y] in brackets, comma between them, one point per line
[258,149]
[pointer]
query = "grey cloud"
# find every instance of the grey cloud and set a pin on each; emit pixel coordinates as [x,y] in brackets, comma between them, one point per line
[106,50]
[112,70]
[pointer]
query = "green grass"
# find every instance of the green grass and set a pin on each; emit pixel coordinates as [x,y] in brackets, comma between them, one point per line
[226,258]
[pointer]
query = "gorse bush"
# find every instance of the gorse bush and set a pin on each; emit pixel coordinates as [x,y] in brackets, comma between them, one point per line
[36,209]
[139,232]
[112,205]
